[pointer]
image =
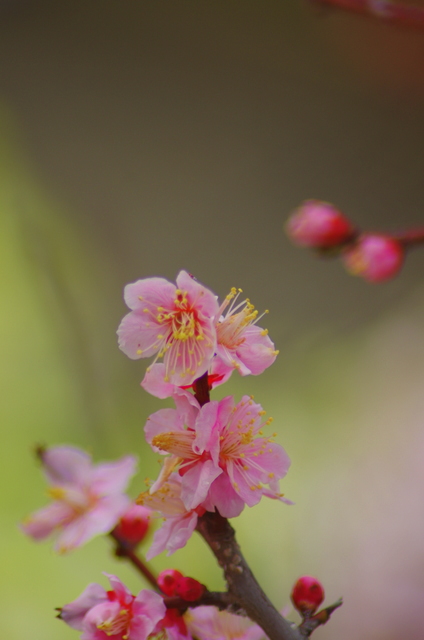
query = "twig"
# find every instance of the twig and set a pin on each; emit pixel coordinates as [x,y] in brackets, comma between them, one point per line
[391,12]
[123,550]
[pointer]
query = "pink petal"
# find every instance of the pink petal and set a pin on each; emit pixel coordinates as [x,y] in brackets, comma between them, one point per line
[173,534]
[154,382]
[138,335]
[124,595]
[66,465]
[112,477]
[196,482]
[157,292]
[43,522]
[223,497]
[148,610]
[205,422]
[74,613]
[257,352]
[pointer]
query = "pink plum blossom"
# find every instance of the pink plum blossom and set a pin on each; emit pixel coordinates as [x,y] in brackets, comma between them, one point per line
[208,623]
[221,453]
[241,344]
[88,499]
[116,614]
[174,322]
[179,523]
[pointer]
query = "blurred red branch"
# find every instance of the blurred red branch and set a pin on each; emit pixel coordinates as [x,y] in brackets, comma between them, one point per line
[392,12]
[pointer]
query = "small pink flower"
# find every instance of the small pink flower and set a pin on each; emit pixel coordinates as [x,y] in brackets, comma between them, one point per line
[176,322]
[87,499]
[101,614]
[179,523]
[222,461]
[375,258]
[241,344]
[207,623]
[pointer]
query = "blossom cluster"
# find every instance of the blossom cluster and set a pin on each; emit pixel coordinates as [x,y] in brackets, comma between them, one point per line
[217,457]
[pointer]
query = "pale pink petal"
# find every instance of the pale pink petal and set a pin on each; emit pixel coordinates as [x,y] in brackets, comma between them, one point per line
[100,519]
[205,422]
[187,407]
[148,609]
[257,352]
[65,465]
[173,534]
[201,297]
[156,292]
[124,595]
[207,623]
[138,335]
[222,496]
[154,382]
[43,522]
[74,613]
[112,477]
[196,482]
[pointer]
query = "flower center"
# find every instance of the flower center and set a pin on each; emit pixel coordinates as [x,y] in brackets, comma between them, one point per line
[178,443]
[116,624]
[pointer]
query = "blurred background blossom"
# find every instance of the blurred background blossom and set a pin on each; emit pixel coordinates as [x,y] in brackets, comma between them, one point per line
[139,138]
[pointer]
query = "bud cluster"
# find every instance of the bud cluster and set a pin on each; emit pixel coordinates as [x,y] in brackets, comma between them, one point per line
[376,257]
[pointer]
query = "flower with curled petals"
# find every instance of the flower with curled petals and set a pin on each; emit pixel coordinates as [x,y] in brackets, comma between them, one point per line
[241,344]
[174,322]
[88,499]
[222,455]
[116,614]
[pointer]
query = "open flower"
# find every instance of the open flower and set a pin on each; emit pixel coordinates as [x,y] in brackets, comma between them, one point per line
[241,344]
[116,614]
[88,499]
[223,457]
[208,623]
[174,322]
[179,523]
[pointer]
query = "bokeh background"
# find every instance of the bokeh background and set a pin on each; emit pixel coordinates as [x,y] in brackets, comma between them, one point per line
[139,137]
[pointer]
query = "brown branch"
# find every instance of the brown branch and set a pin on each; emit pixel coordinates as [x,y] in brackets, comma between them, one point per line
[390,12]
[244,591]
[201,389]
[123,550]
[410,238]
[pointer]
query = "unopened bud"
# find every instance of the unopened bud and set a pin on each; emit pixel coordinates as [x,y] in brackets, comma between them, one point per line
[189,589]
[318,224]
[167,581]
[133,526]
[375,258]
[307,595]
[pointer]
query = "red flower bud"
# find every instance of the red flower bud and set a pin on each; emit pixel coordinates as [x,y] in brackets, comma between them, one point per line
[374,257]
[318,224]
[133,525]
[167,581]
[307,595]
[189,589]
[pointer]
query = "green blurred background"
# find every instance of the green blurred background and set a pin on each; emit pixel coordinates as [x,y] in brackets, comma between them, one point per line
[139,137]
